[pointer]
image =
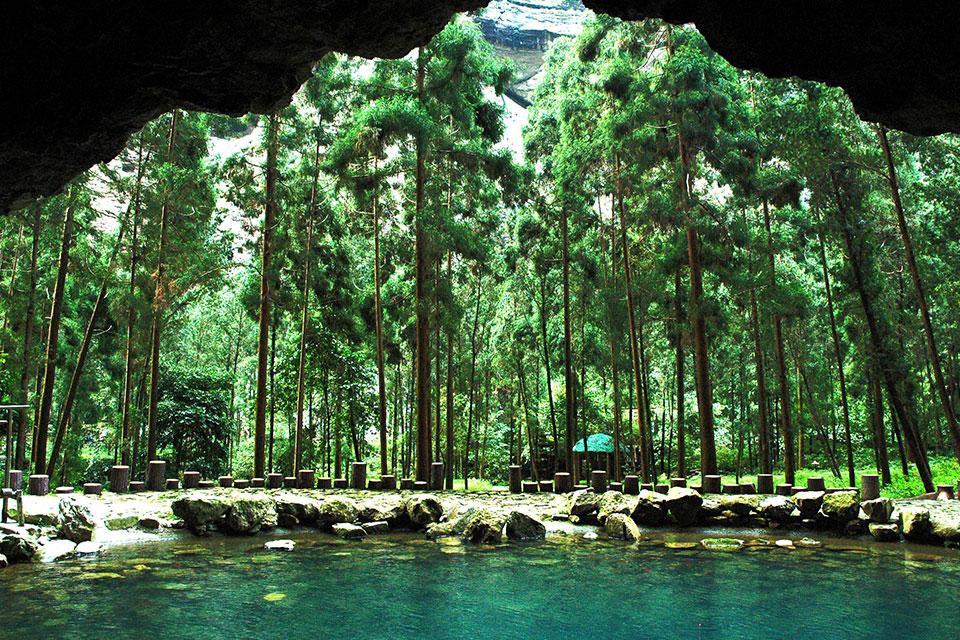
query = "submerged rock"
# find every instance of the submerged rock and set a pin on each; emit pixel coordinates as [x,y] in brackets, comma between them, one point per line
[684,505]
[280,545]
[485,527]
[721,544]
[878,510]
[622,527]
[77,522]
[882,532]
[651,509]
[423,509]
[349,531]
[840,507]
[376,528]
[89,548]
[523,526]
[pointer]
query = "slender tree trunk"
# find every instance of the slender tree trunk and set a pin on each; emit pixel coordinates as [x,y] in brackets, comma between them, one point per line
[568,381]
[53,338]
[449,436]
[272,413]
[28,325]
[876,423]
[678,365]
[437,349]
[526,420]
[546,364]
[764,429]
[422,311]
[614,368]
[266,255]
[473,379]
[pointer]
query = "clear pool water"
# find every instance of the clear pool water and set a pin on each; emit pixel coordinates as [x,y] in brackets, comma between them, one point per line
[405,587]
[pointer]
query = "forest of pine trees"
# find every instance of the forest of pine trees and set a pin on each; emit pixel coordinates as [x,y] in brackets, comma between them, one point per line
[725,273]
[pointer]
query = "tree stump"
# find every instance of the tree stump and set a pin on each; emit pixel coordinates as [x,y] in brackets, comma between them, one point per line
[516,477]
[678,482]
[92,488]
[241,483]
[562,482]
[406,484]
[784,489]
[631,485]
[206,484]
[257,483]
[869,486]
[16,479]
[63,490]
[191,479]
[546,486]
[711,484]
[944,492]
[274,480]
[120,478]
[290,482]
[339,483]
[306,478]
[816,483]
[646,486]
[388,483]
[137,485]
[765,483]
[225,481]
[38,485]
[421,485]
[156,475]
[373,485]
[529,486]
[598,480]
[172,484]
[358,475]
[436,476]
[696,487]
[747,488]
[325,483]
[731,489]
[662,488]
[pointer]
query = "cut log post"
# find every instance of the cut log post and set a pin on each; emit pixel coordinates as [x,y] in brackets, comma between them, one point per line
[258,483]
[38,485]
[63,490]
[290,482]
[274,480]
[173,484]
[388,483]
[374,484]
[562,482]
[816,483]
[869,486]
[696,487]
[944,492]
[678,482]
[119,478]
[784,489]
[646,486]
[325,483]
[241,483]
[156,475]
[516,477]
[747,488]
[16,479]
[662,488]
[191,479]
[711,484]
[731,489]
[307,478]
[358,475]
[421,485]
[206,484]
[546,486]
[529,486]
[339,483]
[92,488]
[631,485]
[598,480]
[137,486]
[225,481]
[436,476]
[406,484]
[795,490]
[765,483]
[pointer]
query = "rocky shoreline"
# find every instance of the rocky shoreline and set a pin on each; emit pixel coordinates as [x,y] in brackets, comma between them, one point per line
[67,526]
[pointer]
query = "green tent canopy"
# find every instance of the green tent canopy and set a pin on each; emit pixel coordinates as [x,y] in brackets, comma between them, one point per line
[598,443]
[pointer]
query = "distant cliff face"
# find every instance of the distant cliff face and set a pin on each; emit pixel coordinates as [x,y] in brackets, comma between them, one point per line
[523,29]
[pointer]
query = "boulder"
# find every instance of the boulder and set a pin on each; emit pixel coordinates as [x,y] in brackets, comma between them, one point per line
[683,505]
[376,528]
[200,511]
[305,510]
[455,526]
[349,531]
[945,526]
[17,544]
[776,508]
[809,502]
[585,505]
[89,548]
[721,544]
[423,509]
[280,545]
[914,522]
[885,532]
[840,507]
[523,526]
[56,549]
[615,502]
[4,563]
[287,520]
[741,505]
[484,527]
[389,508]
[651,509]
[77,522]
[149,523]
[336,510]
[622,527]
[250,513]
[878,510]
[117,523]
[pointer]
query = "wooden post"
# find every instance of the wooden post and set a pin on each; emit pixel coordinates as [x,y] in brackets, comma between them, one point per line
[406,484]
[156,475]
[203,484]
[731,489]
[290,482]
[172,484]
[225,481]
[747,488]
[63,490]
[358,475]
[274,480]
[339,483]
[436,476]
[816,483]
[516,476]
[306,478]
[784,489]
[325,483]
[646,486]
[119,478]
[16,480]
[869,486]
[944,492]
[662,487]
[373,484]
[92,488]
[631,485]
[257,483]
[598,480]
[678,482]
[529,486]
[421,485]
[137,485]
[241,483]
[765,483]
[562,482]
[711,484]
[546,486]
[191,479]
[38,485]
[388,483]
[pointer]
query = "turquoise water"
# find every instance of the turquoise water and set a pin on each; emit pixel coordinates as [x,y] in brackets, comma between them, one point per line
[411,588]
